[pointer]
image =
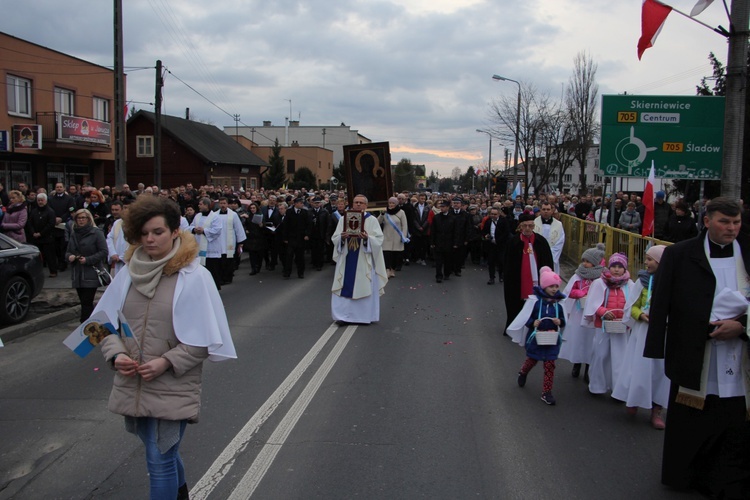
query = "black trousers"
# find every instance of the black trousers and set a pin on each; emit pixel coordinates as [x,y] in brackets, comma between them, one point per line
[495,258]
[317,252]
[271,253]
[419,245]
[49,254]
[443,262]
[213,264]
[708,449]
[227,268]
[294,253]
[86,296]
[61,246]
[393,259]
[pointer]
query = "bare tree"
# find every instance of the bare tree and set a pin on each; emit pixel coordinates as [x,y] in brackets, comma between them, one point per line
[581,102]
[503,117]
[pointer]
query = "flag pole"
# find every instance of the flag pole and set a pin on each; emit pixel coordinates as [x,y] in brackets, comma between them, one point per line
[720,30]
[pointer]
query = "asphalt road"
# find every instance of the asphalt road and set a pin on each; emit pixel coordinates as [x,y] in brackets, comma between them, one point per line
[423,404]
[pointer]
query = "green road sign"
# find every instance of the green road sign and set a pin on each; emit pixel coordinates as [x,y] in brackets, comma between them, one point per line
[683,135]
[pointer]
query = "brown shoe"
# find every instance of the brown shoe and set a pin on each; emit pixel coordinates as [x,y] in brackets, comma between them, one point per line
[53,275]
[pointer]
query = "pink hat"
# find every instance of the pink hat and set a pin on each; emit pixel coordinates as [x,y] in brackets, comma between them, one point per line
[547,277]
[618,258]
[655,252]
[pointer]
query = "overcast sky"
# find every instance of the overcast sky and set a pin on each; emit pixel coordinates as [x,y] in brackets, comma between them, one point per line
[416,73]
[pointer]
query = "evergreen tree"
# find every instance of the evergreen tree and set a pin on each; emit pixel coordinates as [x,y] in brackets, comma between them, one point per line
[404,176]
[304,178]
[276,174]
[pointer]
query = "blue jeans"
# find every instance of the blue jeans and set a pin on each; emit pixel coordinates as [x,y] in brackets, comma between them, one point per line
[166,471]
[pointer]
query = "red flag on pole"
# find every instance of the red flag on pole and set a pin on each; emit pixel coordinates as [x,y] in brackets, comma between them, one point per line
[653,15]
[648,202]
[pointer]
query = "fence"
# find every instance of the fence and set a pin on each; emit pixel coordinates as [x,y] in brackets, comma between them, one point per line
[581,235]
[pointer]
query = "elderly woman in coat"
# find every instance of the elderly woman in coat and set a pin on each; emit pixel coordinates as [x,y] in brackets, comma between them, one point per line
[176,320]
[396,233]
[87,249]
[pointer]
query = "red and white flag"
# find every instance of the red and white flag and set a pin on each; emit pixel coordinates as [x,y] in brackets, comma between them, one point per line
[700,7]
[653,15]
[648,203]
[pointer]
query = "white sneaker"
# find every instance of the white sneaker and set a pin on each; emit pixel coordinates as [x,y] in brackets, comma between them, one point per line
[423,262]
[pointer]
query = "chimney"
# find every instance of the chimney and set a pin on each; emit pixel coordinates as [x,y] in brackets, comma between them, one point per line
[187,113]
[294,123]
[267,123]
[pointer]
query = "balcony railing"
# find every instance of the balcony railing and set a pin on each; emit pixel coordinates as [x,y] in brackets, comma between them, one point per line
[49,120]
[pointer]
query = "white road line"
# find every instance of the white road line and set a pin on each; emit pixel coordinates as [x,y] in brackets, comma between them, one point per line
[265,458]
[221,466]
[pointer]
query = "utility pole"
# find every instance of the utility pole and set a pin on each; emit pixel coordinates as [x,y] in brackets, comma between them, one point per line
[734,107]
[324,138]
[157,125]
[121,174]
[237,127]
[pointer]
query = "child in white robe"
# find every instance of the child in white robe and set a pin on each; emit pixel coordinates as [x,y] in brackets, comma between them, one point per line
[642,382]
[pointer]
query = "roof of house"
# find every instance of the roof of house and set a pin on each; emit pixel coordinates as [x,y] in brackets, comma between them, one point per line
[206,141]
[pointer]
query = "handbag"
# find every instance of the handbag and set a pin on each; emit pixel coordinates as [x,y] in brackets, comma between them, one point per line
[103,275]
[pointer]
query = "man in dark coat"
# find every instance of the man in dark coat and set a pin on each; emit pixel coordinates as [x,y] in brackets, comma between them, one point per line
[41,227]
[408,208]
[463,221]
[63,205]
[520,276]
[296,233]
[495,234]
[271,221]
[321,220]
[707,437]
[420,230]
[443,241]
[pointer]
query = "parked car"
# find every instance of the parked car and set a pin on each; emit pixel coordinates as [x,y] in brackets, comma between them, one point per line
[21,279]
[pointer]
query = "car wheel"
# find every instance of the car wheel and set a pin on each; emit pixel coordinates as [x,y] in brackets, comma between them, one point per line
[15,300]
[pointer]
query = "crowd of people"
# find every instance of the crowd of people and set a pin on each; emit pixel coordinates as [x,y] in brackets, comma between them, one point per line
[632,337]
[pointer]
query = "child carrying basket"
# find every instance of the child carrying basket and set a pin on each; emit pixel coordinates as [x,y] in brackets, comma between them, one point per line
[544,335]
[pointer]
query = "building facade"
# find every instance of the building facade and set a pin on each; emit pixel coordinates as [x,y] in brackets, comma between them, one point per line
[333,138]
[191,152]
[56,117]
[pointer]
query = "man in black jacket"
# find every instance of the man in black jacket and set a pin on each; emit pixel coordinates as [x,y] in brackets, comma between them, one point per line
[296,233]
[41,227]
[707,436]
[463,221]
[443,241]
[64,206]
[495,235]
[319,232]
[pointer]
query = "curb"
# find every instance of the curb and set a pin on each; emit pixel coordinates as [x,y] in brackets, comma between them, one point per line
[32,326]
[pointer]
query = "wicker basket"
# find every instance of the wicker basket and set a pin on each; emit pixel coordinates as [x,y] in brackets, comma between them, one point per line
[546,337]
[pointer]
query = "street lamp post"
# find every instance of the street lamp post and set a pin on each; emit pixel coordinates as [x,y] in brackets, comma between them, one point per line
[489,161]
[518,125]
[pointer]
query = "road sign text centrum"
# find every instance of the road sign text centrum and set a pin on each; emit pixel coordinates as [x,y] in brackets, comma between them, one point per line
[684,135]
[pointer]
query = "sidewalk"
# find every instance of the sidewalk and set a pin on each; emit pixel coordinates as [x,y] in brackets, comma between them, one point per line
[56,303]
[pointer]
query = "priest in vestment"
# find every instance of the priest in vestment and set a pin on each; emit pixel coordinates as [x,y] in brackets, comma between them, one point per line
[360,276]
[526,253]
